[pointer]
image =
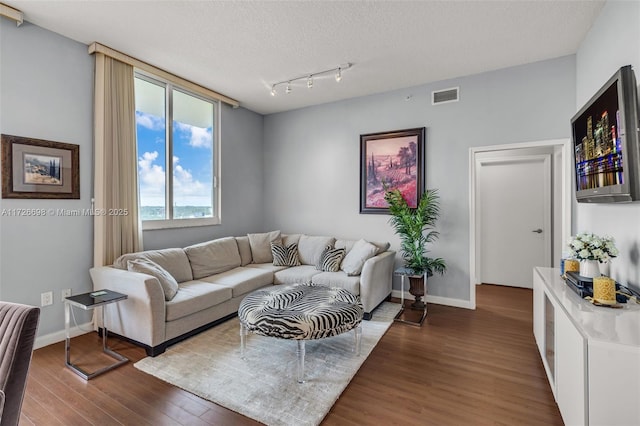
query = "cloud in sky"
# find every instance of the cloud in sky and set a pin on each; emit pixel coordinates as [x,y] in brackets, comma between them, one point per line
[152,180]
[149,121]
[187,190]
[199,137]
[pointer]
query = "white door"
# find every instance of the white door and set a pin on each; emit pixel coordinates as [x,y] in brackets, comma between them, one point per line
[514,216]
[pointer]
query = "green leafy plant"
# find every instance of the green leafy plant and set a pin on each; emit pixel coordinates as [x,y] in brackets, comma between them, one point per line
[416,229]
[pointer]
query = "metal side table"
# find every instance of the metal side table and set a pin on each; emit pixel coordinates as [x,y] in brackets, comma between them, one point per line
[404,273]
[90,301]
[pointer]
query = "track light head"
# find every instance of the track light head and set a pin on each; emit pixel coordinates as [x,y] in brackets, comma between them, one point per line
[288,89]
[309,82]
[339,75]
[273,90]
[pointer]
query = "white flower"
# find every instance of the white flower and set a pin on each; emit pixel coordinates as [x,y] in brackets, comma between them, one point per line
[590,246]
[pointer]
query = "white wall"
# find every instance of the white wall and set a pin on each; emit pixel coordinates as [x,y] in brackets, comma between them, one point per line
[613,41]
[312,166]
[46,92]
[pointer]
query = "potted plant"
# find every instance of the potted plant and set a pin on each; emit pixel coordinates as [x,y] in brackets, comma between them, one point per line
[593,252]
[416,228]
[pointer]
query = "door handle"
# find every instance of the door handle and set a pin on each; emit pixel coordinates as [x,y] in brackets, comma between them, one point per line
[537,231]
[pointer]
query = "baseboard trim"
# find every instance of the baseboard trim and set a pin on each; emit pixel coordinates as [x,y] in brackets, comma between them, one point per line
[438,300]
[60,336]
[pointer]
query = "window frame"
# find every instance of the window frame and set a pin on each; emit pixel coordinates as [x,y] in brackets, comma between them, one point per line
[216,197]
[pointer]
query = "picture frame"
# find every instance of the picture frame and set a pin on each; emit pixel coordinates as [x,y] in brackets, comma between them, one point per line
[395,159]
[36,168]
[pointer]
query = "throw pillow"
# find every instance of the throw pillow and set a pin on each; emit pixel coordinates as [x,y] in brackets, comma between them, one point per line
[311,247]
[213,257]
[330,259]
[261,246]
[167,282]
[359,254]
[285,255]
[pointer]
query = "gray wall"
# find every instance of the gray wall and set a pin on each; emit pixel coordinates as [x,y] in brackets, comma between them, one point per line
[311,155]
[613,41]
[46,92]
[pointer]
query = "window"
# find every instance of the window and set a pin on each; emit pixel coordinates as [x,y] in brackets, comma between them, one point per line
[176,130]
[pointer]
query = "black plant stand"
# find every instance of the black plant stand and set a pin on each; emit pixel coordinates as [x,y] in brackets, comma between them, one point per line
[404,273]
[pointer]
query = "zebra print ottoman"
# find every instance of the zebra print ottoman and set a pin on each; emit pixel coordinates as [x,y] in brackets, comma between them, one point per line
[300,312]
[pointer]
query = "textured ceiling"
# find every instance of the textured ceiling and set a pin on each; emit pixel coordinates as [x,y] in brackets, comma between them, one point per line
[240,48]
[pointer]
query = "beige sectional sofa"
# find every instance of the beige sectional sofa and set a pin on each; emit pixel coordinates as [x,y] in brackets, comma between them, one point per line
[212,278]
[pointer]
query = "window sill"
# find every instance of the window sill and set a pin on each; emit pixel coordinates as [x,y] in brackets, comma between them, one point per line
[149,225]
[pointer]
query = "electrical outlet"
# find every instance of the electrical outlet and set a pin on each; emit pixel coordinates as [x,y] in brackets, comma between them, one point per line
[46,299]
[66,293]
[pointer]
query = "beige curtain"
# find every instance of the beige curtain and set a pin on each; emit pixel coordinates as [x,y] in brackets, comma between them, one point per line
[117,228]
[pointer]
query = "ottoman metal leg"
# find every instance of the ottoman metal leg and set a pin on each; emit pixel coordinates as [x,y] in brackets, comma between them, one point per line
[300,352]
[358,337]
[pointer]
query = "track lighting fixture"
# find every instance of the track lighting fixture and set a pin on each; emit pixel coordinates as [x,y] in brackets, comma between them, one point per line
[337,72]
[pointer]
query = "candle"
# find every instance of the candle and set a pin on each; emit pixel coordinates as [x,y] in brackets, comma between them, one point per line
[571,265]
[604,290]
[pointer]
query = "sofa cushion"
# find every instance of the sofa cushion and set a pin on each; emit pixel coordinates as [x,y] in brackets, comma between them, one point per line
[267,267]
[338,279]
[284,255]
[195,296]
[261,245]
[242,280]
[145,266]
[330,259]
[359,254]
[213,257]
[348,245]
[244,248]
[295,275]
[311,247]
[173,260]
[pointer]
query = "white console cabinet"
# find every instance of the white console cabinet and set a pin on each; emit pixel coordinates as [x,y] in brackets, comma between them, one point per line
[591,354]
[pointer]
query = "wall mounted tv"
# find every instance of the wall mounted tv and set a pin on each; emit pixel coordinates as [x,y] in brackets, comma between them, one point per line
[605,142]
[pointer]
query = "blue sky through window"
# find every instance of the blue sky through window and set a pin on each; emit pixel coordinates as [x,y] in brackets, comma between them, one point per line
[192,162]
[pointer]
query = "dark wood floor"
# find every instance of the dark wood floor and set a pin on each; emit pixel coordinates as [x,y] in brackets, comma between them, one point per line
[461,367]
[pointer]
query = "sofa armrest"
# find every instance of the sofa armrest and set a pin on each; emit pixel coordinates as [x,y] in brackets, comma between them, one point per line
[141,316]
[376,279]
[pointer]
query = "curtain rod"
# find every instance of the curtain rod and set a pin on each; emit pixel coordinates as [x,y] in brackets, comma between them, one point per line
[107,51]
[11,13]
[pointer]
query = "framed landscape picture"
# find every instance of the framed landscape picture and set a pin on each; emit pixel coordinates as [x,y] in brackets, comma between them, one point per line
[394,159]
[35,168]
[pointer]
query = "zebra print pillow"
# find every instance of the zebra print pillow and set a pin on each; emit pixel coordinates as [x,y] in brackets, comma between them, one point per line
[285,255]
[330,259]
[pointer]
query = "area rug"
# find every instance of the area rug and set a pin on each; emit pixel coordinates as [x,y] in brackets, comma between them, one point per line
[263,386]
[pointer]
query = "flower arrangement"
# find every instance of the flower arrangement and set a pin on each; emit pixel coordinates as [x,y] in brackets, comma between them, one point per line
[587,246]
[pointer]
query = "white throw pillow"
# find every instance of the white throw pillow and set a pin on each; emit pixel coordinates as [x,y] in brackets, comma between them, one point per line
[167,282]
[357,256]
[261,246]
[311,247]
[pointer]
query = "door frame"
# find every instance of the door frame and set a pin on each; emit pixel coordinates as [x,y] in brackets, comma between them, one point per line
[563,229]
[545,160]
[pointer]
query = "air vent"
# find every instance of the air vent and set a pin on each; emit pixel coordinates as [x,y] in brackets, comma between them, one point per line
[444,96]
